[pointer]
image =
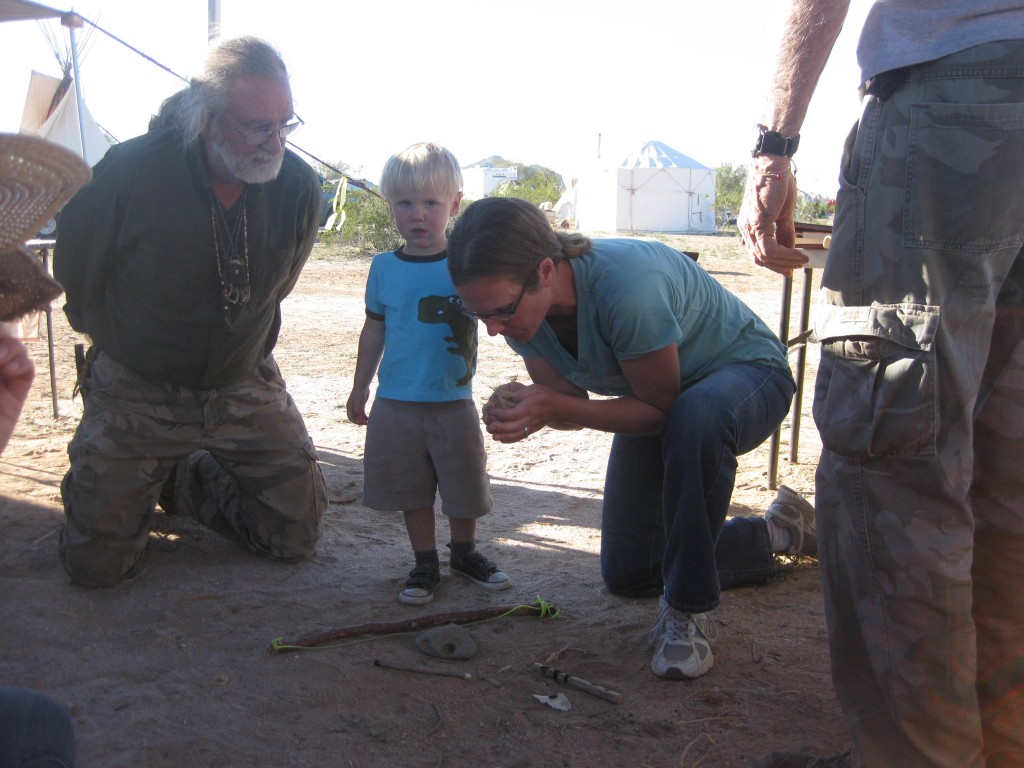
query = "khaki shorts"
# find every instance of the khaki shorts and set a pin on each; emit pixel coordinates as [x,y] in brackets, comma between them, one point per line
[414,450]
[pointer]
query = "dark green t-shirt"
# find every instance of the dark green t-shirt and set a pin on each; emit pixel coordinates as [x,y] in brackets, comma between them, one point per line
[135,254]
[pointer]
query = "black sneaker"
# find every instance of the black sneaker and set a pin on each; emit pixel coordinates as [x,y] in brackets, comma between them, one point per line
[420,586]
[479,569]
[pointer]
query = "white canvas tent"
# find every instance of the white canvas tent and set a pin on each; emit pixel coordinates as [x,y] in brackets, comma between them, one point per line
[656,189]
[25,10]
[63,125]
[596,189]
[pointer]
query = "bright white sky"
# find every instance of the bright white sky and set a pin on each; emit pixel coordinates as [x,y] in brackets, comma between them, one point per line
[561,84]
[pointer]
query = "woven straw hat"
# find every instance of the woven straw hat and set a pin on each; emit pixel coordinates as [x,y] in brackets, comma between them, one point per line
[36,178]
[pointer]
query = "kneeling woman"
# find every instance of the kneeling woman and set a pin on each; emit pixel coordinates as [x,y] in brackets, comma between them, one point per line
[692,379]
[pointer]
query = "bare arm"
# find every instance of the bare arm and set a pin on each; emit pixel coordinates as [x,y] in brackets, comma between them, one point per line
[811,31]
[766,215]
[553,401]
[371,348]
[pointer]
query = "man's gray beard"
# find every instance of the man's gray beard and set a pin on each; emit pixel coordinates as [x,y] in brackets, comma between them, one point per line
[249,168]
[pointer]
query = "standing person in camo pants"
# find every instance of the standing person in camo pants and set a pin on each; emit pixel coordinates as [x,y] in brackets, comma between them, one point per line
[920,391]
[175,259]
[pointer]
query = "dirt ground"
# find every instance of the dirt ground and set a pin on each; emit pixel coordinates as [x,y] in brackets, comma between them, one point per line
[175,668]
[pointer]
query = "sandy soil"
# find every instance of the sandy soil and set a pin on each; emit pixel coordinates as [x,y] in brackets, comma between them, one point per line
[175,668]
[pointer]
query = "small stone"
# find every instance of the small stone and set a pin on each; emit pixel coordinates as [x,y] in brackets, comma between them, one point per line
[448,642]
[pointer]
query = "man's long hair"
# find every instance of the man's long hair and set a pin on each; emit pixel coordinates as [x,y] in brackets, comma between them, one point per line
[188,111]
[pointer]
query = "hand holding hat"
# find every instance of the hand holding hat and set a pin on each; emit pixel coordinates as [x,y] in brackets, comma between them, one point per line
[36,178]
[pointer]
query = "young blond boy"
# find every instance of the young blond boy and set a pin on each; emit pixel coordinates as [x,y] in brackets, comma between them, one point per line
[423,435]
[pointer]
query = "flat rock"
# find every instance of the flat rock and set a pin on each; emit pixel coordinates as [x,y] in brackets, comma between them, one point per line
[448,642]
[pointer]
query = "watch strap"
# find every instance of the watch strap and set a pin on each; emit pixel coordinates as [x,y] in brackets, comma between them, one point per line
[774,143]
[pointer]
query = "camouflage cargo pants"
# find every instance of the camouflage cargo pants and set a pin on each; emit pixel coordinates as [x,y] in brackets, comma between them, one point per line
[247,469]
[920,405]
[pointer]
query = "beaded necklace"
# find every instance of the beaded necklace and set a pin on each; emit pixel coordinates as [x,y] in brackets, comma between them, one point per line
[231,249]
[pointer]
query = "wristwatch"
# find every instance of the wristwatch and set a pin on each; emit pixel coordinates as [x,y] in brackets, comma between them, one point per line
[774,143]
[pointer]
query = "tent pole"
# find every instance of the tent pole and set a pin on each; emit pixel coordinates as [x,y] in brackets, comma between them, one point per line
[73,21]
[214,21]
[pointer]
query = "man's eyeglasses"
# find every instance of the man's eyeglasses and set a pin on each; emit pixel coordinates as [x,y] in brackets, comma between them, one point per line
[501,314]
[262,136]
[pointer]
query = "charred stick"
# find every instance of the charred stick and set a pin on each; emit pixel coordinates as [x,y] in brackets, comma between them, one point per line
[410,625]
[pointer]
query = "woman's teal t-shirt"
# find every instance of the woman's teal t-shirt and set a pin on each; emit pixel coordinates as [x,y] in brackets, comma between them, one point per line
[638,296]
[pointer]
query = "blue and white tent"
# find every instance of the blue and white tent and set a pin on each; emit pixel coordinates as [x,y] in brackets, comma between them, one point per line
[655,189]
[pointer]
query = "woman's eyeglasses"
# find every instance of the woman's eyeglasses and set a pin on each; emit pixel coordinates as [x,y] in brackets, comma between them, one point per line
[506,312]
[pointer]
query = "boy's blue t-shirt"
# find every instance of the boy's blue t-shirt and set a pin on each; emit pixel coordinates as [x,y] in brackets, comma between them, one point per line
[638,296]
[430,345]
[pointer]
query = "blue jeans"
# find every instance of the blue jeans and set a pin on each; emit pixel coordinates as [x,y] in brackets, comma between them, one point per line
[35,731]
[666,496]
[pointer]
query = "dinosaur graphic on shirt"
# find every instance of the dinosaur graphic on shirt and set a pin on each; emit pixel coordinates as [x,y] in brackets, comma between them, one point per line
[446,309]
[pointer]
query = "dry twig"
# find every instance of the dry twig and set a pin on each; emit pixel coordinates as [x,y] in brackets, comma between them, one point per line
[422,670]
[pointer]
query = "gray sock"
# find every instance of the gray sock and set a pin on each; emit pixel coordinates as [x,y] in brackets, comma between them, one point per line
[428,557]
[461,549]
[780,539]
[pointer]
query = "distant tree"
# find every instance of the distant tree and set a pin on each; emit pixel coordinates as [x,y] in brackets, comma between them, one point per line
[330,170]
[729,192]
[814,209]
[535,183]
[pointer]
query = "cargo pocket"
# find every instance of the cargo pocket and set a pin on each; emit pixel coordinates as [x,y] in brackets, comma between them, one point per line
[875,393]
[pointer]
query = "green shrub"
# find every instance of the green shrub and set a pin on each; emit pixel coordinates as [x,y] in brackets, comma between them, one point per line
[729,183]
[368,224]
[814,210]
